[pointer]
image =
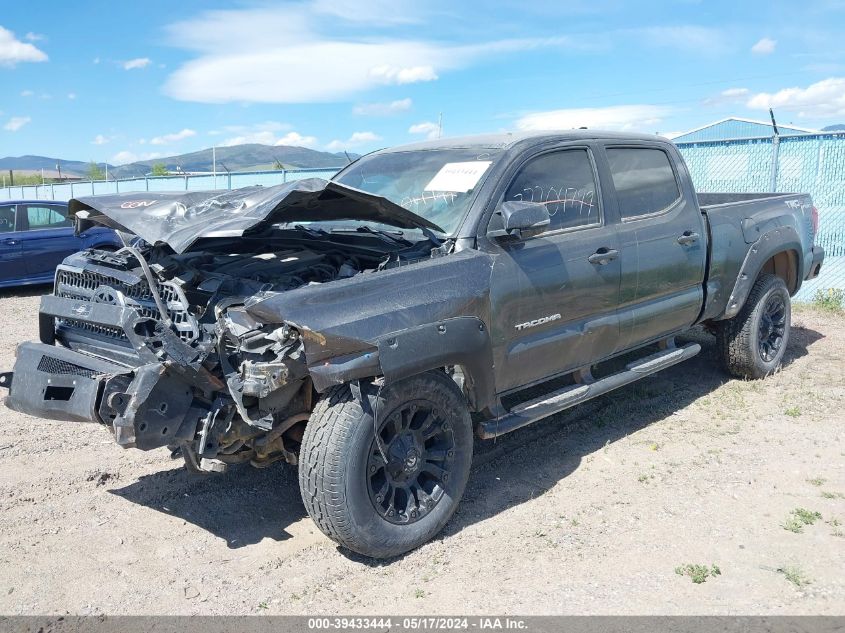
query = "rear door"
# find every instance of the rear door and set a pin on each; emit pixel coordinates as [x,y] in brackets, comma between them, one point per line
[48,239]
[661,234]
[553,302]
[11,261]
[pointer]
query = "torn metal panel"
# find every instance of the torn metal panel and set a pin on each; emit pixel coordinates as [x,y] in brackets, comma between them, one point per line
[180,219]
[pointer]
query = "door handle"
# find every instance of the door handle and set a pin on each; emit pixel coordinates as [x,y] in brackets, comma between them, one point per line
[11,242]
[688,237]
[603,256]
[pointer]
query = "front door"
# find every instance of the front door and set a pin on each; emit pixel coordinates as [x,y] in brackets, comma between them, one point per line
[554,296]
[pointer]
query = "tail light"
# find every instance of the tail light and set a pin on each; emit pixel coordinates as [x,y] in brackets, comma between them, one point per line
[815,219]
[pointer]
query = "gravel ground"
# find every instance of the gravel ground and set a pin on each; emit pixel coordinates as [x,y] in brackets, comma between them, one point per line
[593,511]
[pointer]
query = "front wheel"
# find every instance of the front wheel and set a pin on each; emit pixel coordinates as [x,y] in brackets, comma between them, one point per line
[383,485]
[752,344]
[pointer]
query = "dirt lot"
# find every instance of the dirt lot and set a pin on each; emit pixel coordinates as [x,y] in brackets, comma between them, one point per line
[589,512]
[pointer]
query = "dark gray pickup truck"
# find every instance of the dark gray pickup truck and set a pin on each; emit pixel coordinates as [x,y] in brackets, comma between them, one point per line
[363,328]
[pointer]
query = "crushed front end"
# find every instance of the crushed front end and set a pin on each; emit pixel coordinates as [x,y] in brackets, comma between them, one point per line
[206,378]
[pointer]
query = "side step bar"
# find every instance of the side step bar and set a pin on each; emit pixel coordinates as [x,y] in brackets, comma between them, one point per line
[555,402]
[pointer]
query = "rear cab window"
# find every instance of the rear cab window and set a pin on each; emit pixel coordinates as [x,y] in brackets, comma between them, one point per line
[644,180]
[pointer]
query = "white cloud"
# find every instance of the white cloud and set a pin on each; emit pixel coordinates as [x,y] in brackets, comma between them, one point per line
[266,133]
[729,96]
[383,109]
[765,46]
[696,39]
[399,75]
[297,140]
[620,118]
[431,130]
[822,99]
[101,140]
[27,93]
[33,37]
[278,54]
[265,126]
[357,139]
[16,123]
[733,93]
[138,62]
[166,139]
[13,51]
[126,156]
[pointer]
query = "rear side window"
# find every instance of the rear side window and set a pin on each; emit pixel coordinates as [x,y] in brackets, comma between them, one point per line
[565,183]
[644,180]
[46,217]
[7,218]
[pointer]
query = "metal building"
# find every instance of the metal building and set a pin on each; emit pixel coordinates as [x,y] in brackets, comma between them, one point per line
[738,128]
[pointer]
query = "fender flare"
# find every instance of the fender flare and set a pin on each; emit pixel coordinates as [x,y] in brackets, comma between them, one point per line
[774,241]
[462,341]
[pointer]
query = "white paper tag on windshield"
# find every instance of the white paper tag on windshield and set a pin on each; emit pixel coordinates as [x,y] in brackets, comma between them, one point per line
[458,177]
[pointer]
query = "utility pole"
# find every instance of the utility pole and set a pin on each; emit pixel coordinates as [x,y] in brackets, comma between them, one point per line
[59,169]
[440,125]
[773,174]
[42,175]
[214,163]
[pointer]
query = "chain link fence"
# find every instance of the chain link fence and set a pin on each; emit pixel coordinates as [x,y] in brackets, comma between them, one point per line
[813,164]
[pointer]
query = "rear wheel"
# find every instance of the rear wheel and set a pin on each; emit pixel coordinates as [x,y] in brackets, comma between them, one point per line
[384,493]
[752,344]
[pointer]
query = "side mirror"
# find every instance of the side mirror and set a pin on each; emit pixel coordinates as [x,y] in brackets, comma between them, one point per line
[522,219]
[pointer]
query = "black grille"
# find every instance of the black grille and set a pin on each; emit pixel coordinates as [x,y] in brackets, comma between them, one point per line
[83,286]
[50,365]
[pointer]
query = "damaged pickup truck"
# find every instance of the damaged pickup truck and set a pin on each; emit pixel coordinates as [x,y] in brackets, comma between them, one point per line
[363,328]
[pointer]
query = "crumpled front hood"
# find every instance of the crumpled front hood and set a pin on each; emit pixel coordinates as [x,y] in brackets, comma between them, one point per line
[180,219]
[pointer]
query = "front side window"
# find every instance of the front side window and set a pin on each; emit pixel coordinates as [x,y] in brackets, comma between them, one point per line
[7,218]
[563,181]
[46,217]
[644,180]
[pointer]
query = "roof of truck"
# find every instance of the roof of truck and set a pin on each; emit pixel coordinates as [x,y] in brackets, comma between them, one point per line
[504,140]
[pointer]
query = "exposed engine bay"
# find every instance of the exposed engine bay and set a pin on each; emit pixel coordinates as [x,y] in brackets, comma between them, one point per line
[238,388]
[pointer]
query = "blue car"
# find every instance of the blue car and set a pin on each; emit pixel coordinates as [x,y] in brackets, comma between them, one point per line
[36,235]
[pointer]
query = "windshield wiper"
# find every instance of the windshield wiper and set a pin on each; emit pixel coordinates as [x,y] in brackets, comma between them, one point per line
[397,237]
[309,231]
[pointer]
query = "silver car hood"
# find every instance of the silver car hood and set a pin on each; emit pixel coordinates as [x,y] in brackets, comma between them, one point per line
[179,219]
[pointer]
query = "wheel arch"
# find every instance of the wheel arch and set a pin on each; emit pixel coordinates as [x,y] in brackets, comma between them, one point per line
[460,341]
[776,252]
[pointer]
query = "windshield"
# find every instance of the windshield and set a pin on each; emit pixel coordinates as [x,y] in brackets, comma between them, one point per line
[435,184]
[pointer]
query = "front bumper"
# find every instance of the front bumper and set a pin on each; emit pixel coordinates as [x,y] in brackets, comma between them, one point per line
[57,383]
[145,406]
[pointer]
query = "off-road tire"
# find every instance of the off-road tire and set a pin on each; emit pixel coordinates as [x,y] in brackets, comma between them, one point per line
[335,479]
[738,338]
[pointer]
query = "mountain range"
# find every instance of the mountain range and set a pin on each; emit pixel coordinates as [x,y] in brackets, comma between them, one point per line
[248,157]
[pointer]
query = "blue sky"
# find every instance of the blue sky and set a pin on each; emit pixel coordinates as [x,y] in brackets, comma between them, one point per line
[120,81]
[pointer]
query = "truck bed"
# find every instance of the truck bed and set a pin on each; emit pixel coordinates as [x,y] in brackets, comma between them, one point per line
[737,220]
